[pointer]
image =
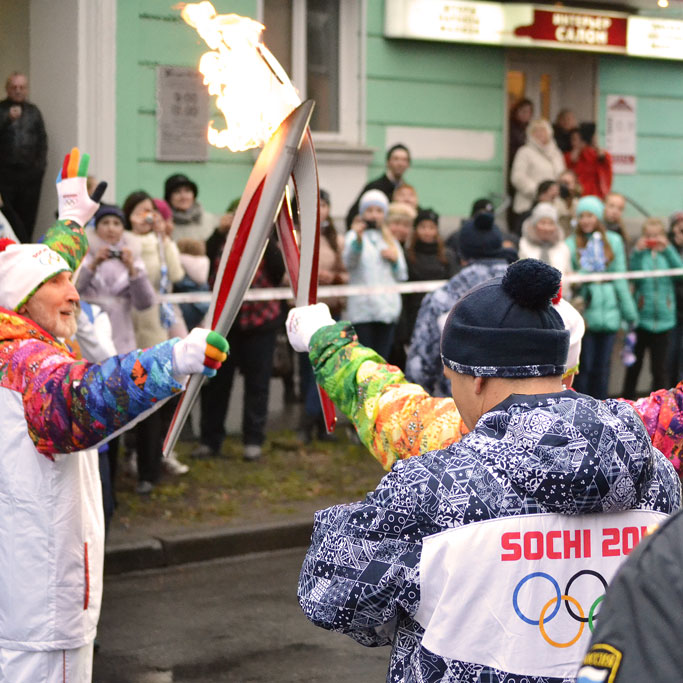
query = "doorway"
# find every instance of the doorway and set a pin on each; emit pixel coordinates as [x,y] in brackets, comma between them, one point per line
[553,80]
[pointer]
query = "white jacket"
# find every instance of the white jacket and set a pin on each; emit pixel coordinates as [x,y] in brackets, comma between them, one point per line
[531,166]
[51,518]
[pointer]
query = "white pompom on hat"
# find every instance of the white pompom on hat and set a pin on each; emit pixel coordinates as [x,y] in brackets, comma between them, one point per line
[23,268]
[574,323]
[373,198]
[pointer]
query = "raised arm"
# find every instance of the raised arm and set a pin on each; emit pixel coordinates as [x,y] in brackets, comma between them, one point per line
[394,418]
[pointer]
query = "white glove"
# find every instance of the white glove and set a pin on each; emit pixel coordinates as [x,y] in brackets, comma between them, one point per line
[72,192]
[304,321]
[202,351]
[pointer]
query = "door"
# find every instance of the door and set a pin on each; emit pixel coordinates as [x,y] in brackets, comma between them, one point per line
[553,80]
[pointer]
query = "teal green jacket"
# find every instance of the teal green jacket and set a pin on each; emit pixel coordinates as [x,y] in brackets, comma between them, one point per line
[655,297]
[607,303]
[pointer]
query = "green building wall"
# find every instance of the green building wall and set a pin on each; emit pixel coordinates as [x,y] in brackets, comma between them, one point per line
[408,83]
[658,87]
[436,85]
[149,33]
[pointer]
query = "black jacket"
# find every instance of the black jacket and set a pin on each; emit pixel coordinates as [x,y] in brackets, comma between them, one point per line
[23,141]
[637,637]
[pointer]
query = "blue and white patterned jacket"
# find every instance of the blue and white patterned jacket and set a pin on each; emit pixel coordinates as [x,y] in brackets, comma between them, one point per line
[424,365]
[557,453]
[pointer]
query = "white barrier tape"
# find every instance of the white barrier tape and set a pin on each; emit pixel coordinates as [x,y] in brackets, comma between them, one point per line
[271,293]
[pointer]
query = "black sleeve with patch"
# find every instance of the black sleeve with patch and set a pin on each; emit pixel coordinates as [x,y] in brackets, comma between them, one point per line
[637,637]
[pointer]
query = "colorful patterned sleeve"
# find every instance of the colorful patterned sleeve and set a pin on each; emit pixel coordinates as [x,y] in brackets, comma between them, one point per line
[69,240]
[72,405]
[662,413]
[361,570]
[394,418]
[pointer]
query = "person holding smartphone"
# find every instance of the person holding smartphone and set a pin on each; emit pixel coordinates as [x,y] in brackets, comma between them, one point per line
[656,300]
[373,256]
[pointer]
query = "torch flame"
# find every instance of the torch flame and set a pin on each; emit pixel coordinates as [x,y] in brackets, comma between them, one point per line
[252,90]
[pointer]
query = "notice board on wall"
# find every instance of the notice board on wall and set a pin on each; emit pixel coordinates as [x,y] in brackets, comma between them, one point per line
[620,133]
[182,114]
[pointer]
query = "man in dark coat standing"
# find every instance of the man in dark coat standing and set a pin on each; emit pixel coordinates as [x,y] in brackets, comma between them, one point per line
[23,154]
[398,162]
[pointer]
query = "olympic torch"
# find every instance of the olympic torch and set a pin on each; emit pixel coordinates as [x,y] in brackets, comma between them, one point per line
[260,107]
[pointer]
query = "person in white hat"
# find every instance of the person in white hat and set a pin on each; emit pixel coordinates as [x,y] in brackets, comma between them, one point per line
[55,411]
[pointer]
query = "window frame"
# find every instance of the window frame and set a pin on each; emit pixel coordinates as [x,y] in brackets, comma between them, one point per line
[351,58]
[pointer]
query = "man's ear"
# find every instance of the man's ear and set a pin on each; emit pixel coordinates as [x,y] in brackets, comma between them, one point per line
[479,383]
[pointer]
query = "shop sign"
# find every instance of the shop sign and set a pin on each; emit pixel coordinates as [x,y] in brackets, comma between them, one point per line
[448,20]
[182,114]
[520,25]
[620,133]
[655,38]
[576,30]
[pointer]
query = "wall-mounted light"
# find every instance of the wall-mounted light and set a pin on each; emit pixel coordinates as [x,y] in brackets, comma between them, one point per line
[663,3]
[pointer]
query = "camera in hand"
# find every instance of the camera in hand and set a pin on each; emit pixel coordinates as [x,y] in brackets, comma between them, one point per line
[115,253]
[371,225]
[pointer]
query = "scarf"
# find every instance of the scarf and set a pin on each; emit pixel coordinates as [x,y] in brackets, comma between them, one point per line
[191,216]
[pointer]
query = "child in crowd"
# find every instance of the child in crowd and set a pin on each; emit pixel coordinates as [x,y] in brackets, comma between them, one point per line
[373,256]
[399,221]
[150,235]
[543,239]
[113,268]
[607,304]
[405,194]
[656,300]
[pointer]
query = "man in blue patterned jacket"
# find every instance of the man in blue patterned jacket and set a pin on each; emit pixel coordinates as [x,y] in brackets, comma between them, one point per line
[488,560]
[481,246]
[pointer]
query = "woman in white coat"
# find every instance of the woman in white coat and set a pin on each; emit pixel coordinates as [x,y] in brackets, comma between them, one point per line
[538,160]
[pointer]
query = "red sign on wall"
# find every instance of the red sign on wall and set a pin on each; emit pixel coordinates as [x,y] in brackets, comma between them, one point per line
[575,30]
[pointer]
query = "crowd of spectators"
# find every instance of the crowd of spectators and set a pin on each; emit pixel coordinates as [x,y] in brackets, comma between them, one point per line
[563,212]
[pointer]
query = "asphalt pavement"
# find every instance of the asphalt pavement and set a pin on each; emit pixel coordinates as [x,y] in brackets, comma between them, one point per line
[233,620]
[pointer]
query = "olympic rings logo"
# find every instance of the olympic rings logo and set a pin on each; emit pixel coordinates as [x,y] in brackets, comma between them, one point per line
[555,602]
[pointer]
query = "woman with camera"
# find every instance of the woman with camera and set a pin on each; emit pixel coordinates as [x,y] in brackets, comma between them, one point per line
[113,268]
[151,235]
[373,256]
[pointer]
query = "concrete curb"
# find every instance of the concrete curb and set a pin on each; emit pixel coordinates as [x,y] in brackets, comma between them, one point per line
[176,549]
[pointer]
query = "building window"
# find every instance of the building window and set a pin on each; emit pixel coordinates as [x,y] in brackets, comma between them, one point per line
[316,41]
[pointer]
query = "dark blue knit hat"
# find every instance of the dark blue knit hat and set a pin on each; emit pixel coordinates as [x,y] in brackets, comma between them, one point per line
[109,210]
[507,327]
[481,238]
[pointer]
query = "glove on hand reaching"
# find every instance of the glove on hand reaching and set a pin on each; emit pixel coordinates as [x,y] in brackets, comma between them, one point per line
[201,351]
[74,203]
[304,321]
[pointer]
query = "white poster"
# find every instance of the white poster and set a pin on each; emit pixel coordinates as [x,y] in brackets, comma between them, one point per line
[620,133]
[182,114]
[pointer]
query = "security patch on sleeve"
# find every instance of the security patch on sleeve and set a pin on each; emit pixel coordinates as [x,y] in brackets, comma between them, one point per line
[600,665]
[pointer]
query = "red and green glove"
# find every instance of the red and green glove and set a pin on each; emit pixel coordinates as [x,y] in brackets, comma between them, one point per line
[202,351]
